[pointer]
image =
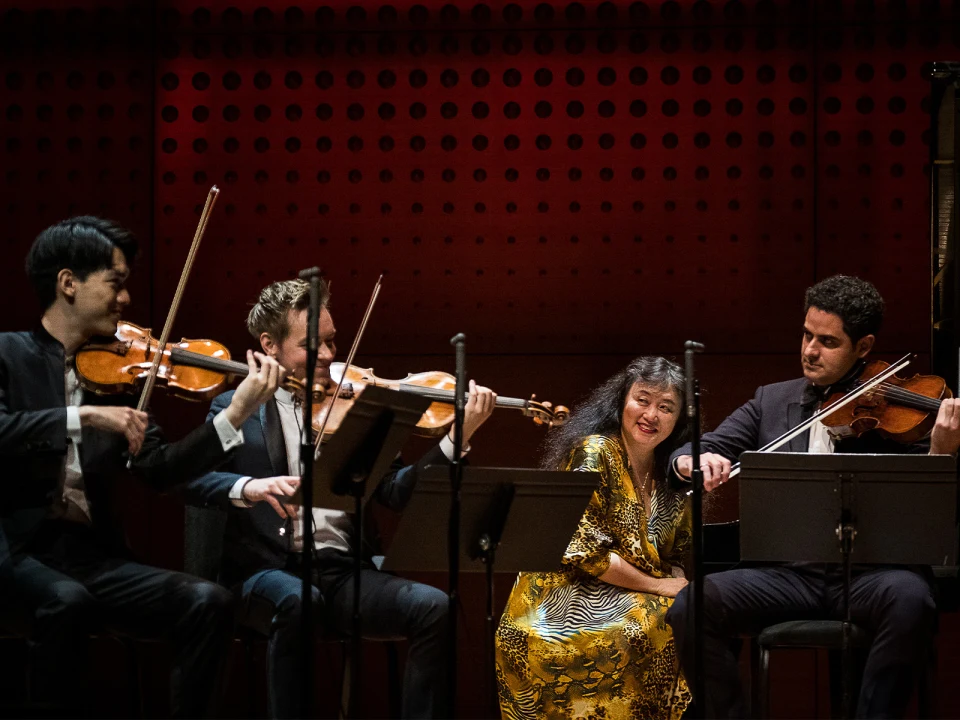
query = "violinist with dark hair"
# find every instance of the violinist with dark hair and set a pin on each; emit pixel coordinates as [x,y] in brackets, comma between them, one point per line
[894,604]
[265,534]
[64,569]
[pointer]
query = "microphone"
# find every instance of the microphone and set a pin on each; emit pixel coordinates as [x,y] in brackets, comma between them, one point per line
[690,347]
[313,317]
[458,341]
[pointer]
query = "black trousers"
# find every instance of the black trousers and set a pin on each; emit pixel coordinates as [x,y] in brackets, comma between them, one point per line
[895,604]
[391,608]
[68,587]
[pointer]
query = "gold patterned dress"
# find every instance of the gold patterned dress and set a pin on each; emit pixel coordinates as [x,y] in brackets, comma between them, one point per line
[572,646]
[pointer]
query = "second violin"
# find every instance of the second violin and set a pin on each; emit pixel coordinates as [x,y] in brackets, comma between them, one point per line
[435,385]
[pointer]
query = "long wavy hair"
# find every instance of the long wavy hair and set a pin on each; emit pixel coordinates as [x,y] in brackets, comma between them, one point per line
[602,412]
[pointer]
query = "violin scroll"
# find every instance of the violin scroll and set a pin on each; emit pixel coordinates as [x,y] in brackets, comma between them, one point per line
[544,413]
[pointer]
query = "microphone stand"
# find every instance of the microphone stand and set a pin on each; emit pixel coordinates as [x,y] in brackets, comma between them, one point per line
[453,537]
[306,489]
[693,421]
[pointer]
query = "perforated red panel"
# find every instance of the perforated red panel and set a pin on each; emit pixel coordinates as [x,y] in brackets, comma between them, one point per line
[542,186]
[546,177]
[874,161]
[568,183]
[76,106]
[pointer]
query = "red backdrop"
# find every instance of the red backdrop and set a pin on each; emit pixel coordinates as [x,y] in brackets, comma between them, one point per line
[569,184]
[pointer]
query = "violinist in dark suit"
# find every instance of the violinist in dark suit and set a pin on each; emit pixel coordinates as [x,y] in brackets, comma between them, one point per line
[264,534]
[64,569]
[895,604]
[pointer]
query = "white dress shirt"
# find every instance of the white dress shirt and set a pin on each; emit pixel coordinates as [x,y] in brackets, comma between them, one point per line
[332,528]
[70,502]
[821,441]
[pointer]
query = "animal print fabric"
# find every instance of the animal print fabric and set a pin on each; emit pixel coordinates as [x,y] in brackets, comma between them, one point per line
[572,646]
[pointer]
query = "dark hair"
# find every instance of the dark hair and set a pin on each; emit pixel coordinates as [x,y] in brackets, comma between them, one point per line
[271,312]
[856,302]
[83,244]
[602,412]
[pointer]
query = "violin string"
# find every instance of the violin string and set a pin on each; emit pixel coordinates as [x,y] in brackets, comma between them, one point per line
[908,397]
[892,391]
[912,401]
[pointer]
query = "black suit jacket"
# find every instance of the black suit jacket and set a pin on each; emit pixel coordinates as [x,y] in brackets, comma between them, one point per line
[773,411]
[252,538]
[33,446]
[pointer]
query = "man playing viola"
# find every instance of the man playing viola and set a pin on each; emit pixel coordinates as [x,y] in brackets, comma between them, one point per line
[894,604]
[264,534]
[64,569]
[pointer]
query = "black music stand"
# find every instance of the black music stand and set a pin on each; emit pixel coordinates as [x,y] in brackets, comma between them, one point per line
[837,508]
[366,443]
[516,519]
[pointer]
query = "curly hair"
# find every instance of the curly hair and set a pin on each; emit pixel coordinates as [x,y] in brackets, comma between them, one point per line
[602,412]
[856,302]
[271,312]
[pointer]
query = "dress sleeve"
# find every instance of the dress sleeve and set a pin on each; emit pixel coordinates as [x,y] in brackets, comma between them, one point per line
[589,549]
[681,553]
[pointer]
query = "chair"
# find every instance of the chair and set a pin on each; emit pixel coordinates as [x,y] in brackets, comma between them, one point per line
[203,547]
[813,634]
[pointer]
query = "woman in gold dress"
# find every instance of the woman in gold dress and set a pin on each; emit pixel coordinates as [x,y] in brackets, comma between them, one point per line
[591,641]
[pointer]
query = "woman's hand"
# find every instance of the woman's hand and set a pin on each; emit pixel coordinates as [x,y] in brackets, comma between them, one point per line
[669,587]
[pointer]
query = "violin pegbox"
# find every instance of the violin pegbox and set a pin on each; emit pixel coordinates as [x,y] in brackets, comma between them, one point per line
[543,413]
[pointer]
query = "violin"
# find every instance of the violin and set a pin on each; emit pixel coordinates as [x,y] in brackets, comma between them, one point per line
[190,369]
[201,369]
[901,409]
[435,385]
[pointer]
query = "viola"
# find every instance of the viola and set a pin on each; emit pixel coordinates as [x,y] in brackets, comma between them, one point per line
[902,409]
[190,369]
[435,385]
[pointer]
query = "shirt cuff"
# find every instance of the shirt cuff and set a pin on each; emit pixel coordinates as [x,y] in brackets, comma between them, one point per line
[230,437]
[73,423]
[446,447]
[236,493]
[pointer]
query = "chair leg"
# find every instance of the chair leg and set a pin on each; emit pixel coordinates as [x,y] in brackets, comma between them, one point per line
[764,689]
[394,684]
[345,683]
[926,686]
[134,678]
[251,674]
[754,694]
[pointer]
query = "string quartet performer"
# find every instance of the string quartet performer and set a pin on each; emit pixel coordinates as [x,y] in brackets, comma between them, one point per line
[65,571]
[264,533]
[894,604]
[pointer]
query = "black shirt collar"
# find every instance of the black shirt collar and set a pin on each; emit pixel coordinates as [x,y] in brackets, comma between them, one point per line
[46,341]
